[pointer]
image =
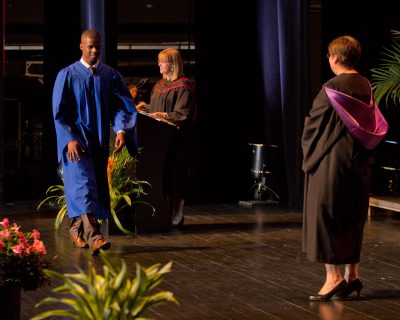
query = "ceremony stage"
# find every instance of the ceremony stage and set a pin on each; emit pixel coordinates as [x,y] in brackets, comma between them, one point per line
[233,263]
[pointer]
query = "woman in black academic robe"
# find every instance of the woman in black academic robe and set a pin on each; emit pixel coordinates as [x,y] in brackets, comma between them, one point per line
[173,100]
[337,174]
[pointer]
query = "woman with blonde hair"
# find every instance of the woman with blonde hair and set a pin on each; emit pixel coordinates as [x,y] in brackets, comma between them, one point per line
[173,99]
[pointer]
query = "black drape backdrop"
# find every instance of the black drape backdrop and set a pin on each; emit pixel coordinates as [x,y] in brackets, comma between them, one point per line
[61,48]
[228,81]
[250,87]
[283,42]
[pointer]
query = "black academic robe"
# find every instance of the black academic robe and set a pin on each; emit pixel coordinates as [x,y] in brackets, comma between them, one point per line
[337,175]
[177,99]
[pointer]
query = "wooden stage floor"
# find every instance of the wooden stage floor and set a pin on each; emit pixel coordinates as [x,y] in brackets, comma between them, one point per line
[235,263]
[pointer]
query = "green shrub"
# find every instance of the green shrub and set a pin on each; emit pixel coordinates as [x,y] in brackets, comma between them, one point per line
[112,296]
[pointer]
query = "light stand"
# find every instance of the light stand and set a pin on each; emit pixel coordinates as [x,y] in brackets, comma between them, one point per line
[262,194]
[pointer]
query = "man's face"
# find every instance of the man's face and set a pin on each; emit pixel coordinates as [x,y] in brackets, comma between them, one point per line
[134,92]
[90,50]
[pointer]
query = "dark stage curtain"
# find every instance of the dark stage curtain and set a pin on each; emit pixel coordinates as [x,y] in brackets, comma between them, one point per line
[61,47]
[230,111]
[251,79]
[282,44]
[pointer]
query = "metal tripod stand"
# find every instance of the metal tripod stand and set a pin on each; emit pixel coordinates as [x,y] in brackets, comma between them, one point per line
[262,194]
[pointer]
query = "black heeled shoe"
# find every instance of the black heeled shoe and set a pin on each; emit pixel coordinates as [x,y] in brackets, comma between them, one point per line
[352,286]
[327,296]
[179,224]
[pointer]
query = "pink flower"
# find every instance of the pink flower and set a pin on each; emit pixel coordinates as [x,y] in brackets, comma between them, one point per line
[18,248]
[5,223]
[22,238]
[22,256]
[16,227]
[5,234]
[39,246]
[35,234]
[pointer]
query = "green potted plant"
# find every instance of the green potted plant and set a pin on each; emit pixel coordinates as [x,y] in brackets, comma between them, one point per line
[22,265]
[385,78]
[113,296]
[385,81]
[125,190]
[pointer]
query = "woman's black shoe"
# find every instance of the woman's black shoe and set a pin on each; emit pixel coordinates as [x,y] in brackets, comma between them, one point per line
[179,224]
[326,297]
[355,285]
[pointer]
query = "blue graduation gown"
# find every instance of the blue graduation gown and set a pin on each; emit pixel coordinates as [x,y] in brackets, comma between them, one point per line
[84,106]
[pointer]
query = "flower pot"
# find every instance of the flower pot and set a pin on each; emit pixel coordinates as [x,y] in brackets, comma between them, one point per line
[10,300]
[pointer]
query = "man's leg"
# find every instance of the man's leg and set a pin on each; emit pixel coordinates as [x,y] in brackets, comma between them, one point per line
[92,233]
[76,232]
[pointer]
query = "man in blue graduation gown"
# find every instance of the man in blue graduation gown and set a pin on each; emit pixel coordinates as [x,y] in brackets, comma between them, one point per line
[88,97]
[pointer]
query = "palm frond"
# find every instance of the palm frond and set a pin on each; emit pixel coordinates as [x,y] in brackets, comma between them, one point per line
[385,78]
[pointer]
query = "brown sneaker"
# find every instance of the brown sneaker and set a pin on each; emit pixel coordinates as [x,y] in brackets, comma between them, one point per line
[100,244]
[79,242]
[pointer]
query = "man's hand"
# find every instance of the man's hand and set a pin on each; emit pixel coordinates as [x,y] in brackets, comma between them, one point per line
[74,151]
[119,141]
